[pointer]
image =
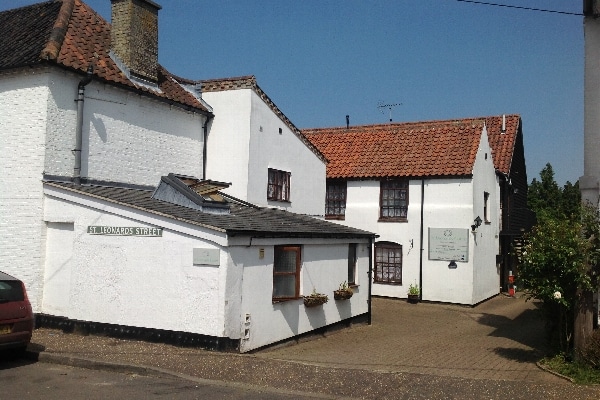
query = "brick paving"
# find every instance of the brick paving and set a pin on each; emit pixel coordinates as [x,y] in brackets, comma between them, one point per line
[422,351]
[500,339]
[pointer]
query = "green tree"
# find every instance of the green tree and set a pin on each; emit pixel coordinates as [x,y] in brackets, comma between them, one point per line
[547,199]
[553,268]
[559,258]
[544,196]
[570,201]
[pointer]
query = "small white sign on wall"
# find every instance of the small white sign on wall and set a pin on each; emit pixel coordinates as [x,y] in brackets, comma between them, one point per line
[207,257]
[449,244]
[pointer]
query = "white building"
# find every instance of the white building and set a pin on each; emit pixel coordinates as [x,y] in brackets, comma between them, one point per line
[90,126]
[432,193]
[590,181]
[252,143]
[121,125]
[217,271]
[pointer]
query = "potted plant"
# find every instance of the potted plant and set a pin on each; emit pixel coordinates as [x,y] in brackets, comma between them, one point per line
[315,299]
[413,293]
[344,292]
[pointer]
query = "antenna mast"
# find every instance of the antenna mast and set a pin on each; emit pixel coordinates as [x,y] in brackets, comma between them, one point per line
[381,107]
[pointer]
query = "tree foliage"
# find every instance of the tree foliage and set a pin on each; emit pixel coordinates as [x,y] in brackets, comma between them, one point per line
[559,257]
[547,199]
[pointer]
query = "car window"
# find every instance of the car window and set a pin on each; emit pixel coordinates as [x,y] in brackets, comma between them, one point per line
[11,291]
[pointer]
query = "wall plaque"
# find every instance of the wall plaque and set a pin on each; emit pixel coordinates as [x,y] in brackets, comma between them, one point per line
[449,244]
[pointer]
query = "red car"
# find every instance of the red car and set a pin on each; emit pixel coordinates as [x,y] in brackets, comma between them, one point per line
[16,316]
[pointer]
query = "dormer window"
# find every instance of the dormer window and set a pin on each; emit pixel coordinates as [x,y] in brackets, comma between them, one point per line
[188,191]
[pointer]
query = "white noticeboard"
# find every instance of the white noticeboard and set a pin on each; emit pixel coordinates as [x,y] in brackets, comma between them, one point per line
[207,257]
[449,244]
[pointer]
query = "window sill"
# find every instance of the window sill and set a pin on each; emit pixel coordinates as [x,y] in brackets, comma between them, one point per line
[277,301]
[280,201]
[392,220]
[335,217]
[388,283]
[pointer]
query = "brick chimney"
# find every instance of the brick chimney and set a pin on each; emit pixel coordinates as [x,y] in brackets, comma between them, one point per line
[134,36]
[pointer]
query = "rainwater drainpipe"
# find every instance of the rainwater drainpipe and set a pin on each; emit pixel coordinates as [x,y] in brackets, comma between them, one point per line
[79,127]
[205,145]
[370,275]
[421,244]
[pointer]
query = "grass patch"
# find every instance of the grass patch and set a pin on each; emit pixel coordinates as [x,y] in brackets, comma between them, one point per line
[580,373]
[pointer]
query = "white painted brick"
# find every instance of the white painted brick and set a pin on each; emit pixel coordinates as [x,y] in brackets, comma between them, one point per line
[126,138]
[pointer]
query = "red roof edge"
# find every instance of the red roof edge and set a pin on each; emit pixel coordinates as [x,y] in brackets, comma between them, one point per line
[57,36]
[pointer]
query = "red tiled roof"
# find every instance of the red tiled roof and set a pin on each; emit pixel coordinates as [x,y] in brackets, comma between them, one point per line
[72,35]
[503,143]
[415,149]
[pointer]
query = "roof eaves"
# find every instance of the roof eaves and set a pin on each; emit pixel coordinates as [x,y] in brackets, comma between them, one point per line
[289,123]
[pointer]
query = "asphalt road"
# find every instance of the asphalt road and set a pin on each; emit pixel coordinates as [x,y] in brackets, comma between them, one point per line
[24,379]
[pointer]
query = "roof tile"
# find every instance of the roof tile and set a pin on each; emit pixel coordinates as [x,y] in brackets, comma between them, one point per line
[413,149]
[73,35]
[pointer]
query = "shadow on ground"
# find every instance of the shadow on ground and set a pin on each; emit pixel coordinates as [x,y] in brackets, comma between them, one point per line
[528,329]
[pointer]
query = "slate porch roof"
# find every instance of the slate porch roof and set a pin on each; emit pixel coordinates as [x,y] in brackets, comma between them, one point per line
[414,149]
[70,34]
[244,218]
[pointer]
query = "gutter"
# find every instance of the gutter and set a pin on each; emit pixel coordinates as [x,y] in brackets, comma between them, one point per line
[79,124]
[421,242]
[370,275]
[205,145]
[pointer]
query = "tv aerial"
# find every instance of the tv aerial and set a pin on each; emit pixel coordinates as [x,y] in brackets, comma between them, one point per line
[382,106]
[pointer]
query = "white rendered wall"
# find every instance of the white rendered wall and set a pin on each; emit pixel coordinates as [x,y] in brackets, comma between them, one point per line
[286,152]
[362,211]
[131,280]
[23,116]
[486,242]
[324,267]
[244,142]
[126,137]
[449,203]
[229,139]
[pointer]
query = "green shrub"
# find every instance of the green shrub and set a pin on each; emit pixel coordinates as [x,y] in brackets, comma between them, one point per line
[590,355]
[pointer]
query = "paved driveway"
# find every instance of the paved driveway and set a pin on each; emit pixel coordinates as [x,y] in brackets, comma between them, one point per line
[500,339]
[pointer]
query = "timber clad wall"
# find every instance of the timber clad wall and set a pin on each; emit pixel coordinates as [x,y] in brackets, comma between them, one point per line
[516,215]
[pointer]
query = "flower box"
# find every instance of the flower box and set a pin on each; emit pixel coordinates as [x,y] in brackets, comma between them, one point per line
[343,294]
[315,299]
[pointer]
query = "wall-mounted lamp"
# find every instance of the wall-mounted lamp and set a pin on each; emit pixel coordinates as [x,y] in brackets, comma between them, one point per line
[477,224]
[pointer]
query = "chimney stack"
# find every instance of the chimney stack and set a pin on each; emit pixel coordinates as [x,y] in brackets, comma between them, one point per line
[134,36]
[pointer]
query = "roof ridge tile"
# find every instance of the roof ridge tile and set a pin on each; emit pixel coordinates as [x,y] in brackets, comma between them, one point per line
[59,30]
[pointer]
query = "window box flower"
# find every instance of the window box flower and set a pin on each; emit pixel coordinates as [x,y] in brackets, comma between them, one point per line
[315,299]
[343,293]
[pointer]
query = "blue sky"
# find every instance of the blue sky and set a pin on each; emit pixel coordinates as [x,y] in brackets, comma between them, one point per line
[320,60]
